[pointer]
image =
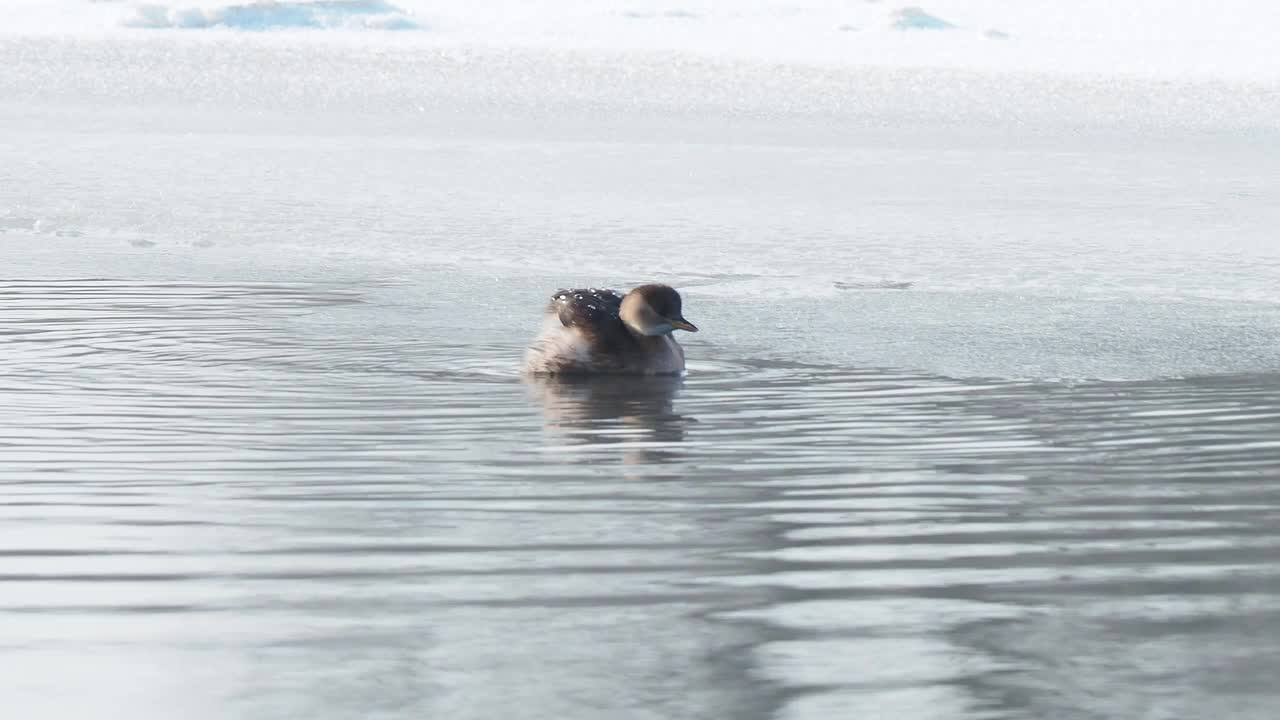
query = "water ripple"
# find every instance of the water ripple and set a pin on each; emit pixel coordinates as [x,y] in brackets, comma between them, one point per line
[214,473]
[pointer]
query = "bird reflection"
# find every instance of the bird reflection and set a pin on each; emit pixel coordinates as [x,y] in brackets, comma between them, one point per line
[633,412]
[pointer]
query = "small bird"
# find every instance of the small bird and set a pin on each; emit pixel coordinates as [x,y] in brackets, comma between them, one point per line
[595,331]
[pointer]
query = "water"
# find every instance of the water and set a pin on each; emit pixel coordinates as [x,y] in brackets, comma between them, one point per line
[982,422]
[211,510]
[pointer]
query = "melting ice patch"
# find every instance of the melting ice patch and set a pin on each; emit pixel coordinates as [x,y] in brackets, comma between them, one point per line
[276,15]
[873,284]
[914,18]
[676,14]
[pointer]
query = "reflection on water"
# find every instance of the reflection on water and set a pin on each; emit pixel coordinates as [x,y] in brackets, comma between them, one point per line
[219,501]
[634,414]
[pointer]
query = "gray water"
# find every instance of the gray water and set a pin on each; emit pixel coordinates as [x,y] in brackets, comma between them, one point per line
[982,421]
[210,511]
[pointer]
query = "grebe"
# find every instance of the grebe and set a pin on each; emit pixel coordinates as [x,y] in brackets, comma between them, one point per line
[603,332]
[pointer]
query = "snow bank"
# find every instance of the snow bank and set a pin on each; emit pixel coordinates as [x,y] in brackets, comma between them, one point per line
[1227,39]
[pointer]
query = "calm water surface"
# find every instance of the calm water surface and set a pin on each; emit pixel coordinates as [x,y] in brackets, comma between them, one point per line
[226,500]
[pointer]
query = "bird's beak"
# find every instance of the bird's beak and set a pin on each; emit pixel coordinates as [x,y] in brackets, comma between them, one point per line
[682,324]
